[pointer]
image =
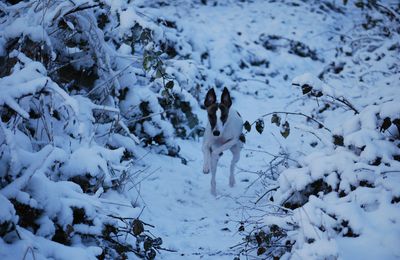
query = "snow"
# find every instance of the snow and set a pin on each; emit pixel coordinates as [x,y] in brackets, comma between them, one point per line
[94,148]
[7,212]
[24,27]
[34,247]
[26,80]
[95,162]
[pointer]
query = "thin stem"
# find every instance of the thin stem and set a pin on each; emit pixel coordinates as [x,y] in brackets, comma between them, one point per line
[345,102]
[265,193]
[81,8]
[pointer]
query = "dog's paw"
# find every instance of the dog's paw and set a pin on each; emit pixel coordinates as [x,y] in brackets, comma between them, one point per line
[206,169]
[232,181]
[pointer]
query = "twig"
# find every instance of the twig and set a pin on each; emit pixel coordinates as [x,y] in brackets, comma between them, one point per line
[120,218]
[166,249]
[147,224]
[273,155]
[260,198]
[242,243]
[256,80]
[29,249]
[345,102]
[115,203]
[110,79]
[310,132]
[141,212]
[149,116]
[105,108]
[126,129]
[389,10]
[144,178]
[310,221]
[81,8]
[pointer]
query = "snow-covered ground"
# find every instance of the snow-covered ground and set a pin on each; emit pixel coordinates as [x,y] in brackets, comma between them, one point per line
[258,49]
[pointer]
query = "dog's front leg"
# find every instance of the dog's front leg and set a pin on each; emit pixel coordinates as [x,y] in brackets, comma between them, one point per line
[228,145]
[206,158]
[214,162]
[235,158]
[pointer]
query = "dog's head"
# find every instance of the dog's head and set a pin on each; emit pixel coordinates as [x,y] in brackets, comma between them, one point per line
[217,112]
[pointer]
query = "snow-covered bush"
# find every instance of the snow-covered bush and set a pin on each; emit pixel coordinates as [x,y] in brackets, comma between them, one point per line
[343,191]
[344,197]
[81,87]
[346,190]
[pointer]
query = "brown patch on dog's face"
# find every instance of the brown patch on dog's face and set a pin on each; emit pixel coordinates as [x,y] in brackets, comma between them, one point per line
[224,113]
[212,115]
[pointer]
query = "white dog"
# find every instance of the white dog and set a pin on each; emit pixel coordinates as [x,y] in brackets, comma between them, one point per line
[223,132]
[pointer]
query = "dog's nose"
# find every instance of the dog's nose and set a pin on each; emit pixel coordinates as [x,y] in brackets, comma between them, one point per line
[216,133]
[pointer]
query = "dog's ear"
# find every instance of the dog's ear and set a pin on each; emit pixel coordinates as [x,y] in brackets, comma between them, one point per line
[226,98]
[211,98]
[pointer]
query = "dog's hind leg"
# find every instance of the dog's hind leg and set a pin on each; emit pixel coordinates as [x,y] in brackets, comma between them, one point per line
[235,158]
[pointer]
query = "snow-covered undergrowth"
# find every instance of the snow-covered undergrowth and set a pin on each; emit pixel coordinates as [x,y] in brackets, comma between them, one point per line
[88,88]
[345,197]
[342,197]
[82,88]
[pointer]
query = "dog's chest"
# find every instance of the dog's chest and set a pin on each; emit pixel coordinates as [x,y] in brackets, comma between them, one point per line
[218,141]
